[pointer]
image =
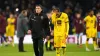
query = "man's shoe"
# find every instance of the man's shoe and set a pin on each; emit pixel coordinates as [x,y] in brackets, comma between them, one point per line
[22,51]
[96,49]
[88,49]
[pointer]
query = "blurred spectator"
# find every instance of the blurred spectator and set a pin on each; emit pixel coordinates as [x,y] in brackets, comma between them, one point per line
[7,12]
[98,28]
[77,7]
[50,43]
[22,29]
[68,6]
[10,29]
[78,26]
[2,28]
[97,7]
[68,11]
[69,3]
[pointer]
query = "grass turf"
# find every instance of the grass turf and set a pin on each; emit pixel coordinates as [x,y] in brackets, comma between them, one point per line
[72,50]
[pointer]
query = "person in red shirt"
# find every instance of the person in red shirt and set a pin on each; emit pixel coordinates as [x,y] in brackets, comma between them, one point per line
[78,25]
[98,28]
[2,28]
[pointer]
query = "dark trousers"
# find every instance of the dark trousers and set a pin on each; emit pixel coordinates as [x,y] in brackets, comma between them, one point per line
[38,46]
[20,45]
[3,38]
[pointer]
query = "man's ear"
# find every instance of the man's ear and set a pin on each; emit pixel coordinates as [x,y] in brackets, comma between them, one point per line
[41,9]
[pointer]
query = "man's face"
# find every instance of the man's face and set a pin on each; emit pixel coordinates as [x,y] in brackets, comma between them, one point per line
[91,13]
[38,9]
[11,15]
[25,14]
[78,15]
[98,14]
[56,11]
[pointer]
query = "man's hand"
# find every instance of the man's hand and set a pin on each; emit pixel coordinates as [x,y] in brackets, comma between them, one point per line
[52,33]
[29,32]
[66,36]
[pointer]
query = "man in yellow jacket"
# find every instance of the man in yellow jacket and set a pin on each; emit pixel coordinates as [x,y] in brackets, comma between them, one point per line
[10,29]
[61,29]
[91,30]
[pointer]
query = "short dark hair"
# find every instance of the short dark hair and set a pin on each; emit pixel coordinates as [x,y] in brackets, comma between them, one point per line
[23,11]
[56,8]
[90,10]
[77,12]
[39,6]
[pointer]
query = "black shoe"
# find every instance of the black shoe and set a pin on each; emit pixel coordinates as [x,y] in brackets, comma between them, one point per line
[54,49]
[50,50]
[77,43]
[22,51]
[47,49]
[6,45]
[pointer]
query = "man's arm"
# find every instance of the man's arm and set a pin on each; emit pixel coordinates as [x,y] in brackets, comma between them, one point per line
[67,24]
[30,25]
[25,24]
[30,22]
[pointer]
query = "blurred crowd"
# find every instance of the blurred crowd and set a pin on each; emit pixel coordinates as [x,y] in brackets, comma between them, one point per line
[67,6]
[12,8]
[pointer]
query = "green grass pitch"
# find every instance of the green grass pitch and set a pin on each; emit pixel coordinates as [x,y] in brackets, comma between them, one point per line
[72,50]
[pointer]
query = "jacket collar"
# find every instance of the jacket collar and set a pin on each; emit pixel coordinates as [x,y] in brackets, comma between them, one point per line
[38,14]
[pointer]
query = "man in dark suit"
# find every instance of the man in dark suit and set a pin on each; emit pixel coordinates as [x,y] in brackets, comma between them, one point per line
[39,28]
